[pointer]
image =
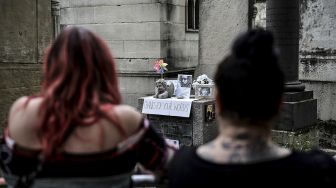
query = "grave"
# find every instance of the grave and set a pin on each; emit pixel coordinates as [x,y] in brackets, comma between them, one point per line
[170,118]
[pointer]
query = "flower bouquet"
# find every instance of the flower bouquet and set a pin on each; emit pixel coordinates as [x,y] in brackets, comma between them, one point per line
[203,79]
[204,87]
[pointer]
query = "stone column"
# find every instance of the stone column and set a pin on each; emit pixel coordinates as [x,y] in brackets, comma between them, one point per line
[299,108]
[283,19]
[220,23]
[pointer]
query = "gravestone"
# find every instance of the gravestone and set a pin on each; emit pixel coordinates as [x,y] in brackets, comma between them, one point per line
[199,128]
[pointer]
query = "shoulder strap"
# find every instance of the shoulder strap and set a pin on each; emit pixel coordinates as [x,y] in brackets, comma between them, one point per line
[112,118]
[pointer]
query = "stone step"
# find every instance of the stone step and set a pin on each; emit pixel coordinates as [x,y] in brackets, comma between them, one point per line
[330,151]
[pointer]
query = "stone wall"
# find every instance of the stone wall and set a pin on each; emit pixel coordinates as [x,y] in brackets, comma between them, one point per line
[317,70]
[26,30]
[318,53]
[138,33]
[216,33]
[182,46]
[317,66]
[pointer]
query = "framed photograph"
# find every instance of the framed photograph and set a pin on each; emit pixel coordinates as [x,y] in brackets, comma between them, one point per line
[183,86]
[205,91]
[185,80]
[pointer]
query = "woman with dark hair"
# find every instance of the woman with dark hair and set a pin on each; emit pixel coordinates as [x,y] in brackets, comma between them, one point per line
[76,132]
[250,86]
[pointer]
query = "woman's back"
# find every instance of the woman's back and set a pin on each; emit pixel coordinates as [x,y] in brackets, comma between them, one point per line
[97,154]
[298,168]
[98,137]
[76,127]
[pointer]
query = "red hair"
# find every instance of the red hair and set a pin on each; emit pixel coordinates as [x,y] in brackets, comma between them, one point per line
[79,77]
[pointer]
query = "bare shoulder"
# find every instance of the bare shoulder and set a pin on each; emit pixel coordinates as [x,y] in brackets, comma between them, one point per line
[18,104]
[22,108]
[129,118]
[22,121]
[22,105]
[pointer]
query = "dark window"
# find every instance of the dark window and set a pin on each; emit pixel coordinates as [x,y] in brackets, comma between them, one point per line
[192,15]
[197,14]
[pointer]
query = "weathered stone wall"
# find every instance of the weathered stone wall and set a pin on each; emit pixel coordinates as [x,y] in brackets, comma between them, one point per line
[220,23]
[25,32]
[138,33]
[182,46]
[318,53]
[317,68]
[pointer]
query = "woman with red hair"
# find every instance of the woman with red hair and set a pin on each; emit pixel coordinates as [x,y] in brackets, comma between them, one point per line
[75,131]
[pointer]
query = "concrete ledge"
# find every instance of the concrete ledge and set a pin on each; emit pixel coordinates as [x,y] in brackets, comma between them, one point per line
[297,115]
[299,111]
[296,96]
[325,94]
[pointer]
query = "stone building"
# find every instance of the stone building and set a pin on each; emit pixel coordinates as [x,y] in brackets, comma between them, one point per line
[25,31]
[139,32]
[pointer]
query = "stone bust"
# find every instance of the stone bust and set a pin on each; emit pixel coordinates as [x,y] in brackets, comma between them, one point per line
[163,89]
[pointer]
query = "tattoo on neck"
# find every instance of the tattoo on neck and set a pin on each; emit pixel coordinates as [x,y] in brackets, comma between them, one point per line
[253,149]
[242,136]
[226,145]
[236,156]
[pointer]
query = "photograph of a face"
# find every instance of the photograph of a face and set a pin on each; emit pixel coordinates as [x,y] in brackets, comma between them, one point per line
[183,87]
[204,91]
[185,80]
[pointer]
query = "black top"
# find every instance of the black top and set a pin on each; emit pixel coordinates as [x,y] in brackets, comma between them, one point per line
[148,148]
[187,169]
